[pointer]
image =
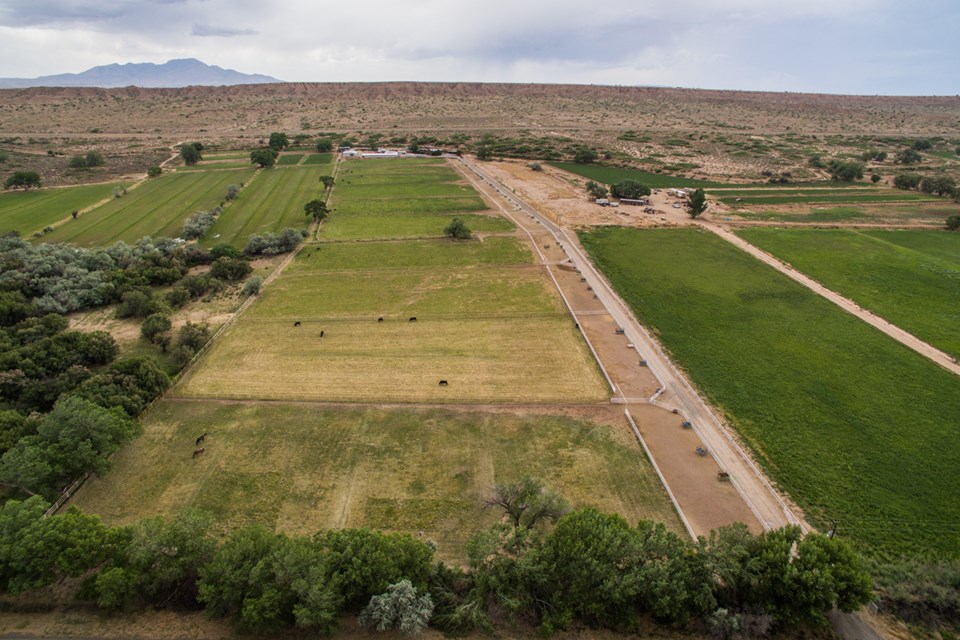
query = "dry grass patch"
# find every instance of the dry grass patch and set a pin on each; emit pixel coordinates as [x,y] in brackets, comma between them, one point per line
[521,360]
[302,468]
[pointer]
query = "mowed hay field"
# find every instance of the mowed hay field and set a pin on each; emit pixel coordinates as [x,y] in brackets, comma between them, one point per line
[303,468]
[860,430]
[488,322]
[272,201]
[909,277]
[156,208]
[403,198]
[30,211]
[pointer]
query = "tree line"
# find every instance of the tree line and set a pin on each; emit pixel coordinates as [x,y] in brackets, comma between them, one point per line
[542,565]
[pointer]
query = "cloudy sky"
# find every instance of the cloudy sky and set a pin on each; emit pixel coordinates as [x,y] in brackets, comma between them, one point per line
[898,47]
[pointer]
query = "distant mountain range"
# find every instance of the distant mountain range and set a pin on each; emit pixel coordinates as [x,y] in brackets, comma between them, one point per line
[174,73]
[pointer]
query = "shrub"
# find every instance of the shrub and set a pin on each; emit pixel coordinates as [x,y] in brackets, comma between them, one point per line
[199,223]
[953,222]
[153,172]
[177,297]
[78,162]
[252,286]
[94,158]
[232,191]
[457,230]
[535,166]
[154,327]
[399,608]
[273,243]
[230,269]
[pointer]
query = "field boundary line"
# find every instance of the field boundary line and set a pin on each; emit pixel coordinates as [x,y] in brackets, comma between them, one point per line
[902,336]
[775,506]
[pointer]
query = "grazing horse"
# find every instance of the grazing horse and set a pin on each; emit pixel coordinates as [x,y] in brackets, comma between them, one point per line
[321,333]
[380,319]
[297,323]
[412,319]
[201,439]
[443,383]
[198,452]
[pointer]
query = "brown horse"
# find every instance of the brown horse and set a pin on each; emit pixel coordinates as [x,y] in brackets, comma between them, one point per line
[198,452]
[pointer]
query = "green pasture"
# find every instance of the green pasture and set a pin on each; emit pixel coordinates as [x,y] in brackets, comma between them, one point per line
[860,430]
[612,175]
[288,159]
[886,195]
[381,191]
[157,208]
[892,214]
[407,206]
[272,201]
[400,293]
[333,257]
[29,211]
[318,158]
[301,468]
[914,288]
[386,226]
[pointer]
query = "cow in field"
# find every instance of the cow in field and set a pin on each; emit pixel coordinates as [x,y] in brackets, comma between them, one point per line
[297,323]
[201,439]
[443,383]
[412,319]
[380,319]
[198,452]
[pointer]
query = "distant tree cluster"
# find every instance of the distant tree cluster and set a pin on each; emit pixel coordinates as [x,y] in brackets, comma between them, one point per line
[190,153]
[22,180]
[93,158]
[846,170]
[941,185]
[630,189]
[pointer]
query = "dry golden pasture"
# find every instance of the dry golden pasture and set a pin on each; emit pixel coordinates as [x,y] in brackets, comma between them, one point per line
[302,468]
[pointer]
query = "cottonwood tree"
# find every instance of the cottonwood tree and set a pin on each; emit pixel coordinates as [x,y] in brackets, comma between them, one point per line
[22,180]
[630,189]
[317,209]
[190,154]
[527,502]
[266,158]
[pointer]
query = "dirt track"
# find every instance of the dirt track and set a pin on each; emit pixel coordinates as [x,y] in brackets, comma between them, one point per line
[705,500]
